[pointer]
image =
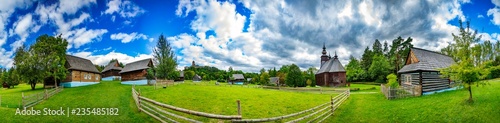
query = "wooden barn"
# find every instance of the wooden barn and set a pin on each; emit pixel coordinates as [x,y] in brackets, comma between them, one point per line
[237,79]
[274,80]
[112,71]
[196,78]
[81,72]
[181,77]
[421,68]
[331,72]
[135,72]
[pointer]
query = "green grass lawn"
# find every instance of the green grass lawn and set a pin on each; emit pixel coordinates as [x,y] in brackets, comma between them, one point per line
[102,95]
[441,107]
[255,102]
[12,97]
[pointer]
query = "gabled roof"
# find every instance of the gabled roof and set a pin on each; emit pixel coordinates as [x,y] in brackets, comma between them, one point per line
[138,65]
[427,61]
[238,76]
[77,63]
[273,80]
[332,65]
[112,66]
[196,77]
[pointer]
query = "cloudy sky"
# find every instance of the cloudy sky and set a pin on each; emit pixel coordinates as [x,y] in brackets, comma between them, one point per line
[245,34]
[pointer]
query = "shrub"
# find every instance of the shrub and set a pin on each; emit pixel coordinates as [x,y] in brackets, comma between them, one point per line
[392,81]
[354,89]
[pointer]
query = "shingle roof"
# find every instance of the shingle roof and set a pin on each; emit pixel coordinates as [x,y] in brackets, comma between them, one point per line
[428,61]
[77,63]
[273,80]
[138,65]
[196,77]
[238,76]
[111,66]
[332,65]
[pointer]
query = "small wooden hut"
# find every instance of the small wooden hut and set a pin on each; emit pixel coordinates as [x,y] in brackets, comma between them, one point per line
[181,77]
[81,72]
[196,78]
[135,72]
[112,71]
[421,68]
[237,79]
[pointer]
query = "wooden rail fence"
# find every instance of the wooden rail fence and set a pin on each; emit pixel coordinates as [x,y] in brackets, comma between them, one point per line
[163,83]
[151,107]
[33,99]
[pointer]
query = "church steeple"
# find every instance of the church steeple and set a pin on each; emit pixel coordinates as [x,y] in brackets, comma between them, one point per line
[324,57]
[335,57]
[324,49]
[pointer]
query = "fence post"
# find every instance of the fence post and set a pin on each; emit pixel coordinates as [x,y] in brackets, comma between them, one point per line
[22,99]
[139,100]
[239,107]
[46,95]
[321,90]
[331,98]
[0,100]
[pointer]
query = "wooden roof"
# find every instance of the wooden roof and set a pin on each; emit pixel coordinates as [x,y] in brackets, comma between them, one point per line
[112,66]
[77,63]
[332,65]
[138,65]
[425,60]
[238,76]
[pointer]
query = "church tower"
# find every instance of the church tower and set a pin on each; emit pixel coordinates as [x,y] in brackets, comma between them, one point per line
[324,57]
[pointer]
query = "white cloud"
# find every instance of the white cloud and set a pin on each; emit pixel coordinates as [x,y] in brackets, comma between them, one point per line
[495,12]
[480,16]
[126,38]
[82,36]
[103,59]
[72,6]
[125,9]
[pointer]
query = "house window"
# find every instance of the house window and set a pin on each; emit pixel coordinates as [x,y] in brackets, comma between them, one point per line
[96,77]
[408,79]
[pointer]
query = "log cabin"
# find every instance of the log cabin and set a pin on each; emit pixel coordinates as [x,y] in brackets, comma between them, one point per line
[331,72]
[196,78]
[81,72]
[111,71]
[135,72]
[237,79]
[422,68]
[274,81]
[181,77]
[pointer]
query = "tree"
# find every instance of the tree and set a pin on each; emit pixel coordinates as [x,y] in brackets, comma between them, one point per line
[45,58]
[189,74]
[380,68]
[281,77]
[366,62]
[294,77]
[398,53]
[150,75]
[354,71]
[465,69]
[99,67]
[264,78]
[377,48]
[166,62]
[392,80]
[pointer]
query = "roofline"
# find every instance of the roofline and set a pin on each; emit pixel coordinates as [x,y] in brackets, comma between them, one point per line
[140,60]
[430,51]
[84,70]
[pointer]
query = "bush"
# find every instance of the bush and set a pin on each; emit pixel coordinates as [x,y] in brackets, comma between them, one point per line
[354,89]
[392,81]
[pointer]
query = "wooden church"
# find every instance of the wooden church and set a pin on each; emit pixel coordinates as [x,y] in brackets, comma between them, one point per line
[112,71]
[331,72]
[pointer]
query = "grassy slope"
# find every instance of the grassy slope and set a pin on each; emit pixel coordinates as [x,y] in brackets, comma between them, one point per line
[103,95]
[12,97]
[442,107]
[255,102]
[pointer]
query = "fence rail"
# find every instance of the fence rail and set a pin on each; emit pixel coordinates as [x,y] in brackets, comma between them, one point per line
[153,109]
[33,99]
[401,91]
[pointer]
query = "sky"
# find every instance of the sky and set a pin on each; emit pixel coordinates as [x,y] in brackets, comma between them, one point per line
[246,35]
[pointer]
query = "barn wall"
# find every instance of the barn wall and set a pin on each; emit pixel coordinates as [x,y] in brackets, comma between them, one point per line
[134,75]
[111,73]
[82,76]
[321,78]
[432,81]
[414,78]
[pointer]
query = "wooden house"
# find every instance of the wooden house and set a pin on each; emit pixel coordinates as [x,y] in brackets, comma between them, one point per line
[81,72]
[421,68]
[331,72]
[135,72]
[111,71]
[196,78]
[237,79]
[181,77]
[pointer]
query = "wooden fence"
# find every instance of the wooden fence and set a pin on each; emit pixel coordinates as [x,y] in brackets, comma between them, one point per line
[33,99]
[401,91]
[163,83]
[151,108]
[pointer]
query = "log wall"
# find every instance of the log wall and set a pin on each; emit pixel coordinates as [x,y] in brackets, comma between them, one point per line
[134,75]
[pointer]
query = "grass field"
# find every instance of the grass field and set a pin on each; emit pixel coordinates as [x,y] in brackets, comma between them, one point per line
[441,107]
[12,97]
[255,102]
[103,95]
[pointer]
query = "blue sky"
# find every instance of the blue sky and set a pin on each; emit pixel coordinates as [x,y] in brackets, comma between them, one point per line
[245,34]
